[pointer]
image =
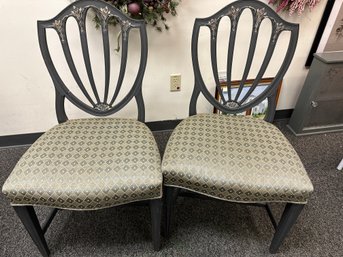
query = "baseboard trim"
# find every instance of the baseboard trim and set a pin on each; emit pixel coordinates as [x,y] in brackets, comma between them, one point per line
[283,114]
[21,139]
[162,125]
[27,139]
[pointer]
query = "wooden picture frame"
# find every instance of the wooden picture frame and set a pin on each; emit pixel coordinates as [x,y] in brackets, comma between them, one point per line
[257,111]
[332,38]
[320,31]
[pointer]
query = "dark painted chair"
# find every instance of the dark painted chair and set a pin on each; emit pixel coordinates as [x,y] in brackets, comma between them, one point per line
[233,157]
[92,163]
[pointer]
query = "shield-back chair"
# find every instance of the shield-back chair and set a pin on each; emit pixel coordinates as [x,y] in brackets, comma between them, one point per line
[232,157]
[91,163]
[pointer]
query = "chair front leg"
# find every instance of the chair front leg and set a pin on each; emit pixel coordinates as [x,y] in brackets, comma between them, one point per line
[156,213]
[29,218]
[171,196]
[289,217]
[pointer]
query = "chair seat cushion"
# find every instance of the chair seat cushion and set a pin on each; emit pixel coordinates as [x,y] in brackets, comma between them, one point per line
[88,164]
[234,158]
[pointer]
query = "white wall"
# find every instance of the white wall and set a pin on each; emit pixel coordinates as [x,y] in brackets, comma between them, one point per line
[27,95]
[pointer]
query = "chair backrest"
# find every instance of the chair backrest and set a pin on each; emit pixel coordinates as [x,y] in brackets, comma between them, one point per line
[241,101]
[96,104]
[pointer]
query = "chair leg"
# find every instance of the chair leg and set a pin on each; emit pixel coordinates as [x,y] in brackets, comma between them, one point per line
[289,216]
[156,213]
[171,196]
[28,217]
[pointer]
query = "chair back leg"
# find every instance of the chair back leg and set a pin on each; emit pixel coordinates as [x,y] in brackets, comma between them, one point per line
[171,194]
[156,212]
[289,217]
[29,218]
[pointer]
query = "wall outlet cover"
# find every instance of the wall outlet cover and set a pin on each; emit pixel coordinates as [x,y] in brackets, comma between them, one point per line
[175,82]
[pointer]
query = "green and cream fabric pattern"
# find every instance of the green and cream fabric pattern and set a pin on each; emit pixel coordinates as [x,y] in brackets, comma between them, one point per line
[235,158]
[88,164]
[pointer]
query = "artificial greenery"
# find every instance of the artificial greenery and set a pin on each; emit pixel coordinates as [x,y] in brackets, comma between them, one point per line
[151,11]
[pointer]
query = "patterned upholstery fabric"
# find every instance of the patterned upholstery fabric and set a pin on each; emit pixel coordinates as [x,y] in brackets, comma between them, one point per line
[235,158]
[88,164]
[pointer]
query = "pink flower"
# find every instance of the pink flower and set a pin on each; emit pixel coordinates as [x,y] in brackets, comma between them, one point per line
[282,5]
[294,5]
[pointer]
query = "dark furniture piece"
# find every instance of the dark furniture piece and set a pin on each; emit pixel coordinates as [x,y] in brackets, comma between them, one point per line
[237,158]
[319,108]
[94,163]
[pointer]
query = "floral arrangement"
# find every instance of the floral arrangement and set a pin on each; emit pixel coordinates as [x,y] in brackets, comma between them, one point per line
[152,11]
[293,6]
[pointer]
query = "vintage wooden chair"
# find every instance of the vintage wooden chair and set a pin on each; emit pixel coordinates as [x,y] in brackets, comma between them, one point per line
[232,157]
[91,163]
